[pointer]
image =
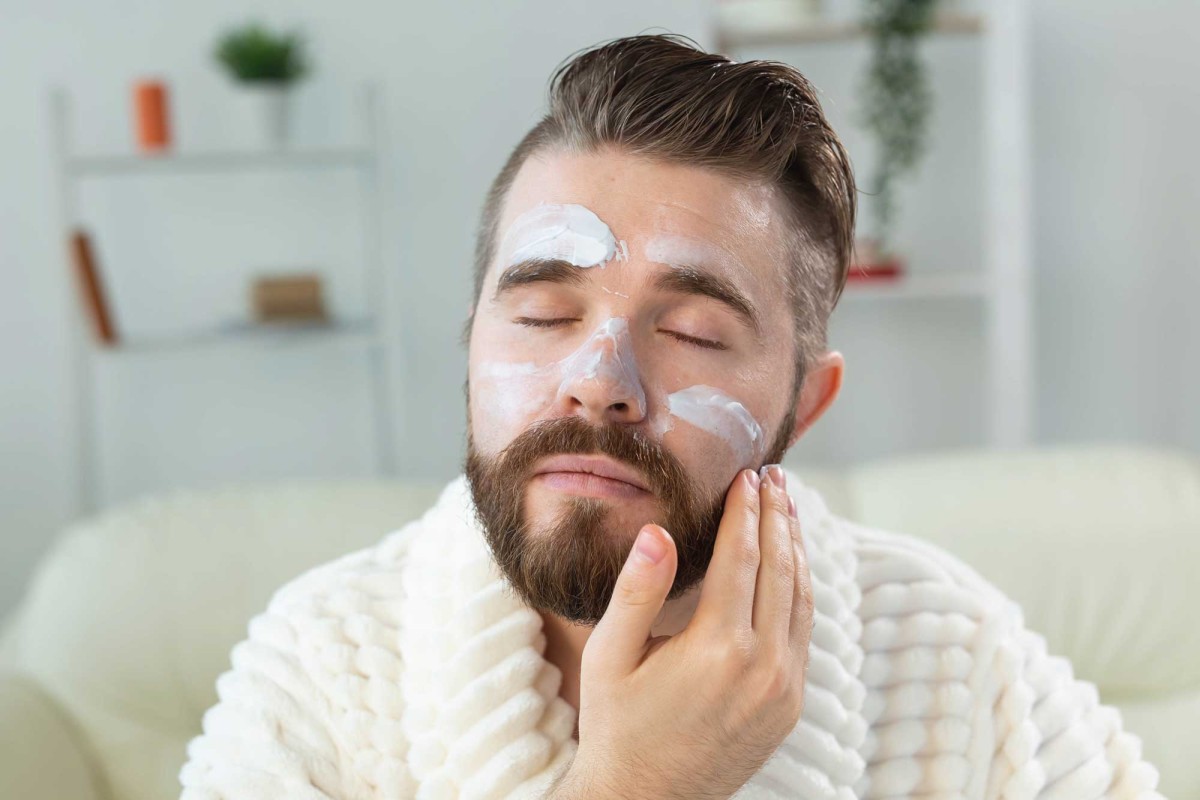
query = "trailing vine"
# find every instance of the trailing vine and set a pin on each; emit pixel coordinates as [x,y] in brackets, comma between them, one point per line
[897,99]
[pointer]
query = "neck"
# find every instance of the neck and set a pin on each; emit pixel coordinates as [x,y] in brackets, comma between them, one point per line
[565,640]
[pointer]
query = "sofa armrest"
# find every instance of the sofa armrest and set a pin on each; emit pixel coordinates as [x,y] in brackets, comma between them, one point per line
[41,755]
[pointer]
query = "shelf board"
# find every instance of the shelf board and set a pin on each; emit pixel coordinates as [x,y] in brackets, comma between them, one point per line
[219,161]
[914,286]
[283,336]
[826,31]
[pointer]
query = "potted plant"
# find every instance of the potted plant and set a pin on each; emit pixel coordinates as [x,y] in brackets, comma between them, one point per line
[265,66]
[897,102]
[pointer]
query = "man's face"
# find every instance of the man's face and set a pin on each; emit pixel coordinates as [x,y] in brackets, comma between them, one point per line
[631,351]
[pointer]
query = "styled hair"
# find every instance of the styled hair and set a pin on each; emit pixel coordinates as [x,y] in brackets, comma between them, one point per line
[662,97]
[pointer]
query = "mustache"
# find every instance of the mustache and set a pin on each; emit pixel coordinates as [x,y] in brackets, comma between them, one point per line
[572,435]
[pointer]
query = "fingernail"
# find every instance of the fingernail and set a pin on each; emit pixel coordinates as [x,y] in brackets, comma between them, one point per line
[791,506]
[752,479]
[649,547]
[774,473]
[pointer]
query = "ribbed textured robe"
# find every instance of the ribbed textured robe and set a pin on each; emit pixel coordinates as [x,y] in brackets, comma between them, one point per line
[410,669]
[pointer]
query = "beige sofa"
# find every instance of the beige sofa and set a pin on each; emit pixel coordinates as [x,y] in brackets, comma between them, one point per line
[110,661]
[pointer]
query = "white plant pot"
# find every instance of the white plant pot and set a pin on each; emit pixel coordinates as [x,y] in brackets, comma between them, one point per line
[267,108]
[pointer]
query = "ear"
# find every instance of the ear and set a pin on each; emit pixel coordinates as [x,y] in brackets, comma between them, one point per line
[820,389]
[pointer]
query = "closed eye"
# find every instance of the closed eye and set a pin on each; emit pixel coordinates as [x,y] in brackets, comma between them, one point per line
[707,344]
[538,322]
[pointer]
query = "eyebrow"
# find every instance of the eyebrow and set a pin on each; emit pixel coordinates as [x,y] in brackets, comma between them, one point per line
[687,279]
[535,270]
[680,278]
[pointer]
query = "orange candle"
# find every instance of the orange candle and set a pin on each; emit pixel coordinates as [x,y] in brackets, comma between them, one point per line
[150,103]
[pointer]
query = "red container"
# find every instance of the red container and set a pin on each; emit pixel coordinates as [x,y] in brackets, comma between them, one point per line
[878,271]
[151,115]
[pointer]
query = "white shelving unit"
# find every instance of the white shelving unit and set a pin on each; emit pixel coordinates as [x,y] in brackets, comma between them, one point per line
[1003,285]
[826,30]
[367,333]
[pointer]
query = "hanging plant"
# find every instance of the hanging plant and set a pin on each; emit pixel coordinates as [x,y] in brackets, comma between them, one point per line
[897,99]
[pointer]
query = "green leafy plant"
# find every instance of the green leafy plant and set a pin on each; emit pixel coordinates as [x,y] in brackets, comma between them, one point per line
[897,98]
[253,54]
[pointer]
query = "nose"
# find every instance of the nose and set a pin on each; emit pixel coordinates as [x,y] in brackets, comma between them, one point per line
[601,378]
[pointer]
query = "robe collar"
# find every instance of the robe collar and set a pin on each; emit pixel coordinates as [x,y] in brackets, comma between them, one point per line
[482,712]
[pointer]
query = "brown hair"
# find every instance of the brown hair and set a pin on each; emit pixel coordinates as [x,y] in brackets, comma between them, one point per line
[662,97]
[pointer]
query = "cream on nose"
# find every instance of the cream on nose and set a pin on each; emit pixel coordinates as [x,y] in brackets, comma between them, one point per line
[605,365]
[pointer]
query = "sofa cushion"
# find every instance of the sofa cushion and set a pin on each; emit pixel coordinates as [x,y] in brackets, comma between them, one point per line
[41,753]
[1099,545]
[133,614]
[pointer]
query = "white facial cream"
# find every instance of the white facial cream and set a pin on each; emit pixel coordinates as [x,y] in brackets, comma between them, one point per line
[676,250]
[720,415]
[518,390]
[607,356]
[508,387]
[523,389]
[565,231]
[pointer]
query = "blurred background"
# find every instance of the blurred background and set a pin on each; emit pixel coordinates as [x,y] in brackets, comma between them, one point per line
[237,236]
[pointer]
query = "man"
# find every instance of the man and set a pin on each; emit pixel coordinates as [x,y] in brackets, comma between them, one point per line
[625,596]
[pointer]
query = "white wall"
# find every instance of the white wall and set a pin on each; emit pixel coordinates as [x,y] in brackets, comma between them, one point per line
[1115,165]
[1117,191]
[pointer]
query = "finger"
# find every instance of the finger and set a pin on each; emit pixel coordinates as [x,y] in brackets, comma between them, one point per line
[727,594]
[776,581]
[800,631]
[618,642]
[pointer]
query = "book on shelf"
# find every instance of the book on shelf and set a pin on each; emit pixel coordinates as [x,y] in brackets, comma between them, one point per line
[91,288]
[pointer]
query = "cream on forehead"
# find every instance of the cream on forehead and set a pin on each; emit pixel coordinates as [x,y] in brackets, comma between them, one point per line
[676,249]
[565,231]
[719,414]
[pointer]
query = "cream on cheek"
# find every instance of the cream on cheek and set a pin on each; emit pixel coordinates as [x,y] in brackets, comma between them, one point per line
[717,414]
[703,406]
[510,391]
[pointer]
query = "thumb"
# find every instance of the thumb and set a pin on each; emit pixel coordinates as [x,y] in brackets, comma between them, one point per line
[619,640]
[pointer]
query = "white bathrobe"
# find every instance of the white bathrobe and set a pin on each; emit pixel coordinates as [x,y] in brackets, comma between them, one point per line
[410,670]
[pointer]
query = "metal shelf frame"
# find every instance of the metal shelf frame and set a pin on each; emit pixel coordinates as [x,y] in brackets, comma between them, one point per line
[371,332]
[1004,284]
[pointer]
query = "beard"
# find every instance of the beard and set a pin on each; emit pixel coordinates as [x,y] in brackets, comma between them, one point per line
[570,567]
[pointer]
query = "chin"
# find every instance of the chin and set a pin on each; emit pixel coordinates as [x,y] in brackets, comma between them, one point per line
[544,505]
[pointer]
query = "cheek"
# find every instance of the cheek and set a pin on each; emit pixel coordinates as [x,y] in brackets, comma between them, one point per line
[505,398]
[712,425]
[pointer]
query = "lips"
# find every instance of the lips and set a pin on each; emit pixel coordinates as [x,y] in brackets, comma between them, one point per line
[601,466]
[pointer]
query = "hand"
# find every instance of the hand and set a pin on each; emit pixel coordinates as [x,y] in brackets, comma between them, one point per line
[695,715]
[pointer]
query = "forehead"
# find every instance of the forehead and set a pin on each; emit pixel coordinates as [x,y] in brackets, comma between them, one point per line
[655,206]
